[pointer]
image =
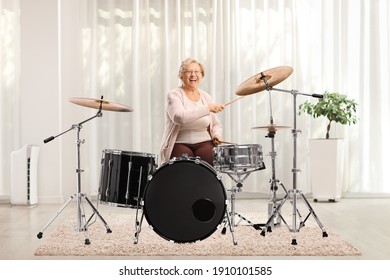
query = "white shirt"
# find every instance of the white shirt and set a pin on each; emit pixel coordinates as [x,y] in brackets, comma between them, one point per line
[196,131]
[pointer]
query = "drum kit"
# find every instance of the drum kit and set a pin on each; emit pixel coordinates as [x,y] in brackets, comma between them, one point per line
[184,200]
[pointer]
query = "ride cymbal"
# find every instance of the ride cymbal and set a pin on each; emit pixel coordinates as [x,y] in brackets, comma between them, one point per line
[96,103]
[256,83]
[271,127]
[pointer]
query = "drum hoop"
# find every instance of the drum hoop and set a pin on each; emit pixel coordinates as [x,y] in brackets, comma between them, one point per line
[235,146]
[130,153]
[121,205]
[196,160]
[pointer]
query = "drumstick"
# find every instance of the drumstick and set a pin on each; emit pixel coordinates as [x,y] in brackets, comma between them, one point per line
[230,102]
[225,142]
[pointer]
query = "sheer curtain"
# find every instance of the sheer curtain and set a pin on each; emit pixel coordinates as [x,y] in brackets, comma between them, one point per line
[9,94]
[131,52]
[133,49]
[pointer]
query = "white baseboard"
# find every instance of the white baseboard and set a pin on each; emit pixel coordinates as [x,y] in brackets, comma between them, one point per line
[249,195]
[242,195]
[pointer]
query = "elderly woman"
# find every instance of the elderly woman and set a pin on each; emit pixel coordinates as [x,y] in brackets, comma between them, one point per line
[191,123]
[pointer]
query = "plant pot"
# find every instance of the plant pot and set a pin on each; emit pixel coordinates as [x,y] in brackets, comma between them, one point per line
[326,165]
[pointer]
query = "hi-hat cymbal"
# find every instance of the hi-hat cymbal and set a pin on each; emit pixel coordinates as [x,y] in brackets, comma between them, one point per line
[256,83]
[271,127]
[96,103]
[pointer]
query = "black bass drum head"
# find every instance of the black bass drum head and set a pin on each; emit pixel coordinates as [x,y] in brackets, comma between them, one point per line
[184,200]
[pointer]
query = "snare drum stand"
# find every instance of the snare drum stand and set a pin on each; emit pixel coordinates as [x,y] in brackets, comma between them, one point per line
[230,217]
[293,194]
[82,224]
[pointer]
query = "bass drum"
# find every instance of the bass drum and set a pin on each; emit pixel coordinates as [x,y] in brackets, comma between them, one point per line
[184,200]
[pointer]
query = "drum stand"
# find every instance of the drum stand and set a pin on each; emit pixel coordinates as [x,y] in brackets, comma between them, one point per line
[294,193]
[274,182]
[82,224]
[230,216]
[274,202]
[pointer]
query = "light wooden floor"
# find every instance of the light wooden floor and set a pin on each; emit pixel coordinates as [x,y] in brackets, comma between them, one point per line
[364,222]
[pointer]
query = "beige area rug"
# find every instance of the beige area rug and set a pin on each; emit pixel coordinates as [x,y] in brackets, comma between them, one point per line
[63,240]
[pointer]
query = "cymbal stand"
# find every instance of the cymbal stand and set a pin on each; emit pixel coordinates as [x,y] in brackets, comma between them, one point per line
[294,193]
[82,224]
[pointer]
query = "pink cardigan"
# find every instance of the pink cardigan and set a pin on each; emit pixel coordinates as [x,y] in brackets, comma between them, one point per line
[177,115]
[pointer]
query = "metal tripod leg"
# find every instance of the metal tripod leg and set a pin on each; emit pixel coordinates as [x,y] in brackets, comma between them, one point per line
[140,204]
[138,223]
[82,225]
[273,209]
[274,202]
[302,224]
[274,214]
[233,213]
[230,216]
[95,212]
[80,217]
[311,211]
[231,227]
[138,226]
[40,234]
[294,229]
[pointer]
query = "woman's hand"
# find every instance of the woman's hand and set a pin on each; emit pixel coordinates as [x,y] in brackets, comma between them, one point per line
[215,108]
[217,140]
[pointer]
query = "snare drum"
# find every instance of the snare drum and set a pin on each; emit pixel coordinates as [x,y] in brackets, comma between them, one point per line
[184,200]
[238,158]
[124,176]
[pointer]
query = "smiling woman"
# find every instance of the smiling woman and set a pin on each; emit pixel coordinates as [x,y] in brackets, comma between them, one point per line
[191,124]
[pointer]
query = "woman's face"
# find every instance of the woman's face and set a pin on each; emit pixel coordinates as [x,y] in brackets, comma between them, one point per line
[192,76]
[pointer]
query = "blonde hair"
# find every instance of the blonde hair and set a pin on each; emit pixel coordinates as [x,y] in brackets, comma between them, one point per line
[186,63]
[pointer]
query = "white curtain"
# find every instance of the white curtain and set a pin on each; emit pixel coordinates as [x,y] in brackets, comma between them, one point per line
[133,50]
[9,87]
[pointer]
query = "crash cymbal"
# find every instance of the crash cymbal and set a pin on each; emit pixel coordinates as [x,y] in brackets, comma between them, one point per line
[273,77]
[271,127]
[95,103]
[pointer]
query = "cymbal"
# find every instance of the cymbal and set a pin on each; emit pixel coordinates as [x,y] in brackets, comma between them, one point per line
[95,103]
[271,127]
[273,77]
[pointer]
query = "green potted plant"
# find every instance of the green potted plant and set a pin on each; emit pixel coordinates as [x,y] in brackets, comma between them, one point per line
[327,155]
[334,106]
